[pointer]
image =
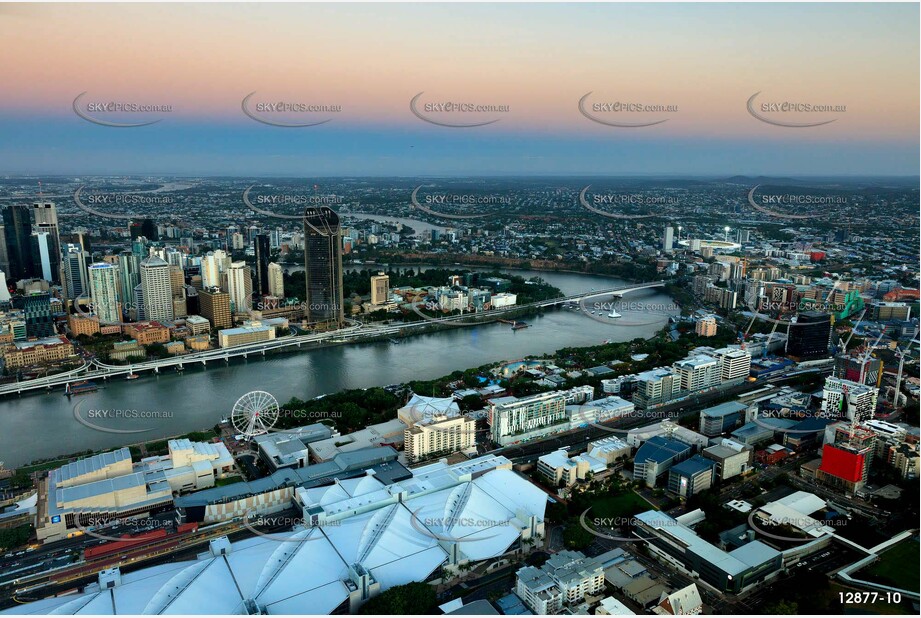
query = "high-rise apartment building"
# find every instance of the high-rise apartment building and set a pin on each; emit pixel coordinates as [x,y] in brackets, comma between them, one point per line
[323,267]
[261,244]
[276,280]
[157,290]
[104,282]
[846,399]
[668,239]
[240,287]
[514,419]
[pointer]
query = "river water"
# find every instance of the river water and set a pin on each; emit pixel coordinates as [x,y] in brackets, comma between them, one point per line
[45,425]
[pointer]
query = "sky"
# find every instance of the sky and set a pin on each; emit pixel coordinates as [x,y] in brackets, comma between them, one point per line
[703,61]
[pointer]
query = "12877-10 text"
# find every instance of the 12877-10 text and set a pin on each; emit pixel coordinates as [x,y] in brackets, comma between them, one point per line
[864,598]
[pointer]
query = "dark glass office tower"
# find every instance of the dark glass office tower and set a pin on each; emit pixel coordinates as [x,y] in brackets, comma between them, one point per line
[262,264]
[17,227]
[809,336]
[323,267]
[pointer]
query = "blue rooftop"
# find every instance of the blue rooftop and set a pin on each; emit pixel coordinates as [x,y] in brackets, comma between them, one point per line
[661,449]
[693,466]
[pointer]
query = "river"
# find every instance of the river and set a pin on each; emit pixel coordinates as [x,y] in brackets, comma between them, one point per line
[44,425]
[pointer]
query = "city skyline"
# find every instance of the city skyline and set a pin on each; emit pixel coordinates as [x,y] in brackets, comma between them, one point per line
[709,67]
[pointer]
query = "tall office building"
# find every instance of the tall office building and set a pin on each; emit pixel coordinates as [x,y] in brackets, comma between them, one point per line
[4,254]
[157,290]
[668,239]
[323,266]
[276,280]
[37,310]
[149,230]
[380,289]
[213,266]
[128,270]
[214,304]
[177,289]
[809,336]
[240,287]
[42,250]
[104,282]
[74,272]
[17,228]
[46,220]
[262,264]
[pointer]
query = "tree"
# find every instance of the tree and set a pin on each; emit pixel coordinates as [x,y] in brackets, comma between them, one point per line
[575,536]
[409,599]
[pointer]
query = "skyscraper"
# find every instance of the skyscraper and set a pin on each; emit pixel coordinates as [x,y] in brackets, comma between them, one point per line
[104,283]
[46,220]
[74,272]
[262,264]
[212,266]
[276,280]
[17,227]
[215,305]
[128,270]
[240,287]
[668,239]
[809,336]
[41,247]
[323,266]
[157,290]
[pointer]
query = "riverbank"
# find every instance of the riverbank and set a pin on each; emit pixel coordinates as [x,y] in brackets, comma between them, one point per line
[43,425]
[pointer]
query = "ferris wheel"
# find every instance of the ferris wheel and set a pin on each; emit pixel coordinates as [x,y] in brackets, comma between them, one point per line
[255,413]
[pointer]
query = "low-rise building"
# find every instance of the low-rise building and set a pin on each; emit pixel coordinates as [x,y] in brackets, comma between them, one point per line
[198,325]
[656,456]
[147,333]
[37,352]
[677,545]
[567,578]
[732,458]
[125,350]
[691,476]
[722,418]
[82,324]
[231,337]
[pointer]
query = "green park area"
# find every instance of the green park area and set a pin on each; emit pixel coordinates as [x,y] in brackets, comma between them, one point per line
[897,566]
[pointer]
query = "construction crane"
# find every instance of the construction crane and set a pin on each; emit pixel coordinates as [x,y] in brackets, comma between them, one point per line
[898,380]
[866,357]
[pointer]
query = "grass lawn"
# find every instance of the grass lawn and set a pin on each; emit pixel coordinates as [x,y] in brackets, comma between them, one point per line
[230,480]
[623,505]
[897,566]
[48,465]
